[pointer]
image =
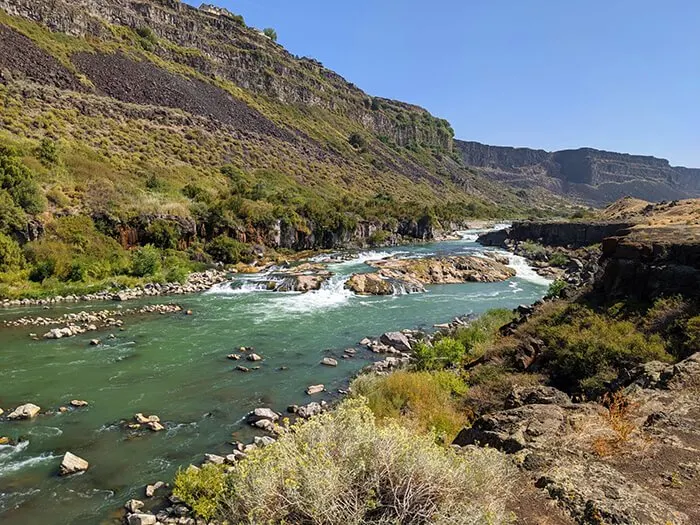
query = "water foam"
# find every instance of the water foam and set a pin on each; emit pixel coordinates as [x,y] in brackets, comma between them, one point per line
[524,271]
[332,294]
[9,468]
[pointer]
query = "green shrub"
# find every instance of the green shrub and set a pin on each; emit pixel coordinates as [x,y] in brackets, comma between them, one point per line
[443,353]
[532,250]
[556,289]
[11,257]
[341,467]
[357,141]
[18,181]
[379,238]
[270,33]
[483,331]
[12,217]
[48,152]
[228,251]
[422,400]
[145,261]
[559,259]
[163,234]
[201,488]
[585,349]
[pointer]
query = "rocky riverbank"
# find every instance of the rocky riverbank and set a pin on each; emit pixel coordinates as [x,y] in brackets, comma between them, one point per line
[196,282]
[82,322]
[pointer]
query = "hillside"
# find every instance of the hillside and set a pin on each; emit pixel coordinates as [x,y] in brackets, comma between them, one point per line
[587,175]
[142,98]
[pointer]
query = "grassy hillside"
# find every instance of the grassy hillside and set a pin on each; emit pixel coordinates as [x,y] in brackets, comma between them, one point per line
[162,124]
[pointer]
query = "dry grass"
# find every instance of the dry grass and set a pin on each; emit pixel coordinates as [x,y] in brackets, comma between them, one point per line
[620,420]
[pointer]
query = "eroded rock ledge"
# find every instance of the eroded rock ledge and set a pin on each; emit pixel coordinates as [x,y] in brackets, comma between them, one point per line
[411,275]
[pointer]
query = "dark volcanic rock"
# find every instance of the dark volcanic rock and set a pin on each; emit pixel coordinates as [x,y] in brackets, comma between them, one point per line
[23,59]
[144,83]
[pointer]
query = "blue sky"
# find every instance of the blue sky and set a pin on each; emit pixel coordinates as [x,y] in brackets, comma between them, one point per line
[622,75]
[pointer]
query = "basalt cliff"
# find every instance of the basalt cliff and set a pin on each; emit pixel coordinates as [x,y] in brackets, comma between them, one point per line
[587,175]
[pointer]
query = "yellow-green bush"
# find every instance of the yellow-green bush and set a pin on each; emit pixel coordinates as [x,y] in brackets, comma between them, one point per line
[341,467]
[201,488]
[425,401]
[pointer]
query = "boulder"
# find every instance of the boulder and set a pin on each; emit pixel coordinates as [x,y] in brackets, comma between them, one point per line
[72,464]
[78,403]
[315,389]
[254,357]
[263,414]
[142,519]
[234,357]
[536,395]
[329,361]
[396,340]
[27,411]
[310,410]
[263,441]
[214,459]
[151,489]
[155,426]
[242,368]
[94,342]
[4,440]
[143,420]
[366,341]
[134,505]
[369,284]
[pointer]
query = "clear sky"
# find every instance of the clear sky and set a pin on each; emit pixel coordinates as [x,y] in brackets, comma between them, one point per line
[622,75]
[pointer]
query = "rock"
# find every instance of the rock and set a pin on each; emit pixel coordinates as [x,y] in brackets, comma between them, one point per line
[63,410]
[1,411]
[241,368]
[77,403]
[536,395]
[263,413]
[315,389]
[94,342]
[234,357]
[151,489]
[214,459]
[141,419]
[310,410]
[254,357]
[234,457]
[155,426]
[134,505]
[263,441]
[72,464]
[396,340]
[369,284]
[366,341]
[4,440]
[27,411]
[142,519]
[329,361]
[443,270]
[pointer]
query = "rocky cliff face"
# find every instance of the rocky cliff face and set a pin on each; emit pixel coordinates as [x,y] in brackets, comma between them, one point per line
[589,175]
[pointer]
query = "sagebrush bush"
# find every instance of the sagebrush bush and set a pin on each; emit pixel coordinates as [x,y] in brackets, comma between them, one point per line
[343,468]
[481,332]
[423,400]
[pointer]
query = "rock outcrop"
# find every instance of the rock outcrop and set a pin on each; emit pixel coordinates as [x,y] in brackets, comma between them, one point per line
[638,465]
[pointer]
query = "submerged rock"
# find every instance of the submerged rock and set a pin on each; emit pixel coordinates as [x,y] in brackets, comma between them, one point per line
[73,464]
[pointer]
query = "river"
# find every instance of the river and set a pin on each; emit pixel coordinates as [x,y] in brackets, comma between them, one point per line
[175,366]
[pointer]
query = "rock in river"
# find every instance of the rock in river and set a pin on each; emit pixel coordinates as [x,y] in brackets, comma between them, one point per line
[72,464]
[396,340]
[315,389]
[329,361]
[27,411]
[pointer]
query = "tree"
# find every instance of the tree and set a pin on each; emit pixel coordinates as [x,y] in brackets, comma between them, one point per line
[11,257]
[270,33]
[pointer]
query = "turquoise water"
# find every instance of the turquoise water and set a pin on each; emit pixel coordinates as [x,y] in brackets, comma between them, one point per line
[175,366]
